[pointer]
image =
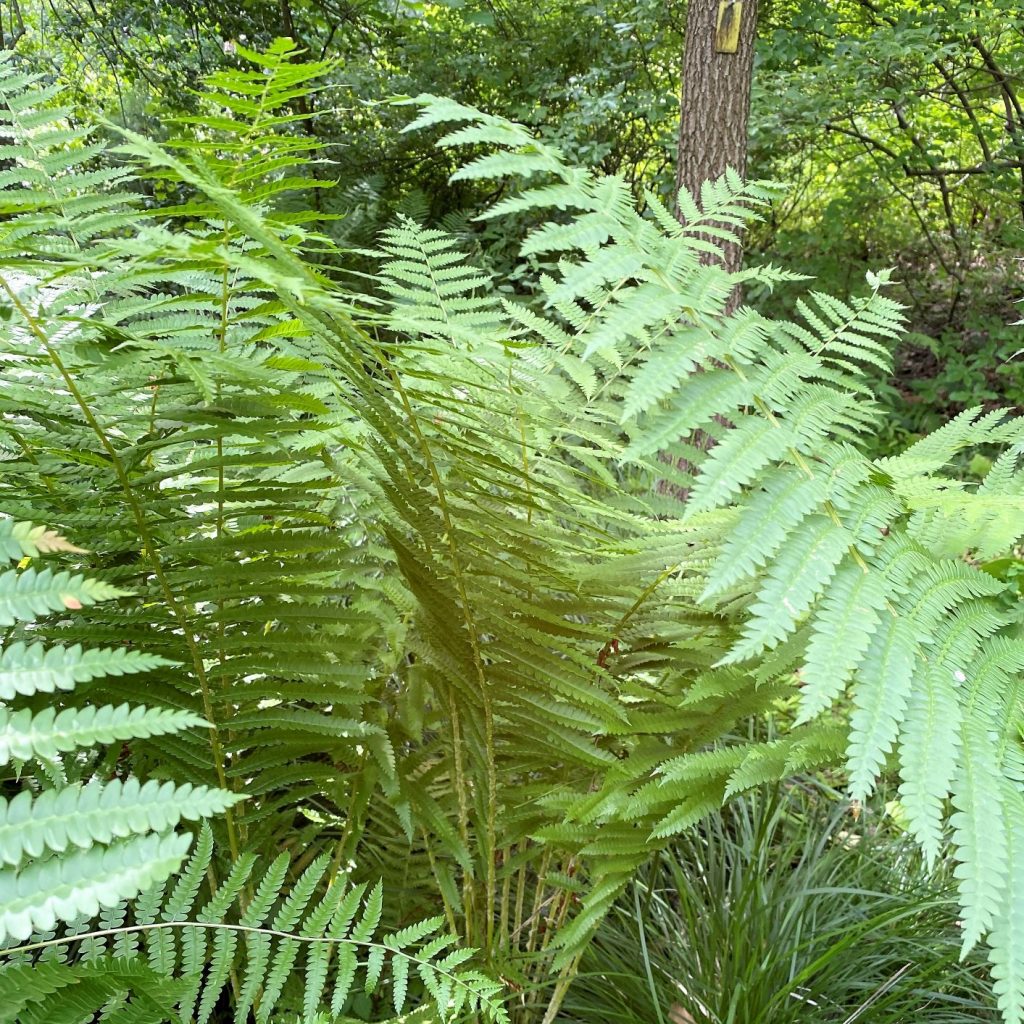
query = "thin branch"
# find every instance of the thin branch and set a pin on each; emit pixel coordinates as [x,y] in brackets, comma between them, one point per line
[867,140]
[983,168]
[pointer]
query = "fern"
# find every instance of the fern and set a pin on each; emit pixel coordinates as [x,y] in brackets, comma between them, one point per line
[33,668]
[96,813]
[406,554]
[192,950]
[111,840]
[24,736]
[25,595]
[25,540]
[844,569]
[40,894]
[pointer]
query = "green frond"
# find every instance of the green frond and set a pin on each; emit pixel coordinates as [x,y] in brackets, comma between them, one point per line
[432,288]
[25,540]
[979,831]
[746,450]
[930,733]
[841,632]
[51,991]
[27,594]
[26,669]
[762,764]
[691,406]
[934,452]
[79,883]
[796,578]
[72,850]
[1008,927]
[772,514]
[81,816]
[51,732]
[181,897]
[312,927]
[881,690]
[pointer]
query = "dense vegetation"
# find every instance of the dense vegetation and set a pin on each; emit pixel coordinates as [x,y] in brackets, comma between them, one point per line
[445,591]
[897,128]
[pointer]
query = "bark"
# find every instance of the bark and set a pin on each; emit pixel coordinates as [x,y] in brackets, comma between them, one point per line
[713,115]
[715,105]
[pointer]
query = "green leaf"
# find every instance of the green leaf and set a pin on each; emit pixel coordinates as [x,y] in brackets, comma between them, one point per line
[82,816]
[77,885]
[50,732]
[27,594]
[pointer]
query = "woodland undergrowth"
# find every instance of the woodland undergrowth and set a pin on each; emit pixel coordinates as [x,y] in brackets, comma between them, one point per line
[391,564]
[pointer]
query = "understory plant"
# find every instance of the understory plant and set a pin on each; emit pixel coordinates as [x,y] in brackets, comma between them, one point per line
[784,908]
[79,843]
[409,550]
[74,850]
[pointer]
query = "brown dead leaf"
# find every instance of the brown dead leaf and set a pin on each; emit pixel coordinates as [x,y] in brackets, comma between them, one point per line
[48,542]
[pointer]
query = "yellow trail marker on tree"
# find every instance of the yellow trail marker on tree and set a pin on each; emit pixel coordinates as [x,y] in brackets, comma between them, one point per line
[727,30]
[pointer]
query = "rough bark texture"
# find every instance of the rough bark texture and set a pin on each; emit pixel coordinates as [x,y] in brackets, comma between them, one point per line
[715,104]
[713,116]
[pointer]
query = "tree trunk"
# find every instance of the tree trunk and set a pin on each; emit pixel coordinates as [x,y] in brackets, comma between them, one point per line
[713,113]
[715,104]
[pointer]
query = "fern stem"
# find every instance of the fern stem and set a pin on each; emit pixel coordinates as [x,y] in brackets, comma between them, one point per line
[506,892]
[462,797]
[644,594]
[538,902]
[565,978]
[520,900]
[474,641]
[67,940]
[246,894]
[449,913]
[148,544]
[221,346]
[347,834]
[560,908]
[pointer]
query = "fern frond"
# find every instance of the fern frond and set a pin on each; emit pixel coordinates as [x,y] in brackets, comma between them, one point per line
[25,540]
[880,697]
[1008,927]
[799,573]
[980,834]
[306,933]
[50,732]
[98,813]
[27,594]
[80,883]
[26,669]
[432,287]
[120,829]
[929,734]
